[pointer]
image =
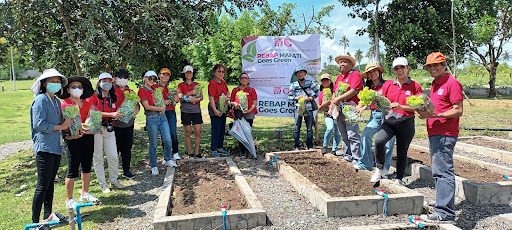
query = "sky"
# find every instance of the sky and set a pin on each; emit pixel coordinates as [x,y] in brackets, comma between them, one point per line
[344,25]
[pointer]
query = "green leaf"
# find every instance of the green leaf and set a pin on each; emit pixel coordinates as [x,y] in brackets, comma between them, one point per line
[248,57]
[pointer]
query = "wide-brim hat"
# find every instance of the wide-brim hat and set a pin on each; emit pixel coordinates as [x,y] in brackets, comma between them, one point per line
[48,73]
[299,68]
[345,56]
[325,76]
[88,90]
[370,67]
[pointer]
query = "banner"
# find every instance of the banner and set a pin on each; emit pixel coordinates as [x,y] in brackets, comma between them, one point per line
[270,62]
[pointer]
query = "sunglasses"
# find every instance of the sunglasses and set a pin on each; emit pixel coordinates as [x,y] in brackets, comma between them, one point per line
[77,86]
[152,78]
[396,68]
[221,71]
[244,78]
[125,77]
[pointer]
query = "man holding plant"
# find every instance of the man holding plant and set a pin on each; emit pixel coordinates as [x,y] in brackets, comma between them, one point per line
[443,131]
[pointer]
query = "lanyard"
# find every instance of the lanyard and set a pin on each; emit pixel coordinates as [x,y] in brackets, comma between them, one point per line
[53,104]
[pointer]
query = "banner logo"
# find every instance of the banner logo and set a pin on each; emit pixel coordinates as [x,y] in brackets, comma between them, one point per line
[277,90]
[250,53]
[282,42]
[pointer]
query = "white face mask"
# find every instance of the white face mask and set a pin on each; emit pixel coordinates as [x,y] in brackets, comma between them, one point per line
[76,92]
[122,81]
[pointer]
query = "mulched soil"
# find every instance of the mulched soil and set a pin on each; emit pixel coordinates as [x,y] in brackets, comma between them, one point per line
[336,178]
[203,186]
[465,170]
[501,145]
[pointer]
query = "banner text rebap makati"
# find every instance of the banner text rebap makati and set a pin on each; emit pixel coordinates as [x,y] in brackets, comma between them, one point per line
[276,106]
[277,57]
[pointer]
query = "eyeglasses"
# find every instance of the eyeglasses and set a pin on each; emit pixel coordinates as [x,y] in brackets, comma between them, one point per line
[77,86]
[246,78]
[125,77]
[398,67]
[221,71]
[153,79]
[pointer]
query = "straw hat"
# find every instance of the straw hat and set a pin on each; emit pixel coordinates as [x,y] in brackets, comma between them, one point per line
[345,56]
[370,67]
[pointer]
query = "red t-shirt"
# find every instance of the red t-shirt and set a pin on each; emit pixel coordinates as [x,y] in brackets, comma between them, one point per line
[165,93]
[146,94]
[216,89]
[444,92]
[184,88]
[102,105]
[394,93]
[251,95]
[84,110]
[120,96]
[355,81]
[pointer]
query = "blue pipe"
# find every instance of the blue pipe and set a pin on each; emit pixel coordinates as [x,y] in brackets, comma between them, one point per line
[78,217]
[416,221]
[223,209]
[34,225]
[383,194]
[508,177]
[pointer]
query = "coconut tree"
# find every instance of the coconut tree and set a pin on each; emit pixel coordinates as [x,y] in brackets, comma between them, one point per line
[344,42]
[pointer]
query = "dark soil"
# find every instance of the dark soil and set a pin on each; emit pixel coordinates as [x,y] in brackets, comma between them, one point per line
[203,186]
[465,170]
[336,178]
[501,145]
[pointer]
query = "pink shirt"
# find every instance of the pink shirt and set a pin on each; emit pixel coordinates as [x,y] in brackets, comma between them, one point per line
[355,81]
[395,93]
[444,92]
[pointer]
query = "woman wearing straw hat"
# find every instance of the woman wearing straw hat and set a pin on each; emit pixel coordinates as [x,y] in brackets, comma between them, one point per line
[46,122]
[373,75]
[81,146]
[330,125]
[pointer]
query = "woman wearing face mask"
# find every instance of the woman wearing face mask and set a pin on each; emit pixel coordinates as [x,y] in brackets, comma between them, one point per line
[45,123]
[124,131]
[105,99]
[155,122]
[81,146]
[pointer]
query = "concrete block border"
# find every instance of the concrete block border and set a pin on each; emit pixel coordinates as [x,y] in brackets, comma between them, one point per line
[400,227]
[476,193]
[236,219]
[502,155]
[403,201]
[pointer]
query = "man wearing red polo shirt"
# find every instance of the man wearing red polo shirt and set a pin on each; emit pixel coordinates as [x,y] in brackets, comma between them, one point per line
[443,131]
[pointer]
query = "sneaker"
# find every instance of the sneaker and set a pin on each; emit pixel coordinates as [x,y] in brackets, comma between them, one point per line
[431,203]
[385,176]
[224,152]
[105,189]
[215,154]
[435,218]
[154,171]
[118,185]
[356,166]
[378,174]
[190,156]
[176,156]
[400,182]
[296,149]
[198,156]
[128,175]
[88,197]
[71,203]
[347,158]
[171,163]
[62,218]
[324,150]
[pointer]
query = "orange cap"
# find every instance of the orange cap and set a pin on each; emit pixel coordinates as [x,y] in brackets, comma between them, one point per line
[165,70]
[435,57]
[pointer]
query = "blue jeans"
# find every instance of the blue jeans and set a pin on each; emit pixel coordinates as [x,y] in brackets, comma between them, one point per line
[171,119]
[309,119]
[441,156]
[366,162]
[218,132]
[155,123]
[330,128]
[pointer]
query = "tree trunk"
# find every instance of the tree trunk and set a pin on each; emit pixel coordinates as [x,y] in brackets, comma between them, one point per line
[492,80]
[376,34]
[67,25]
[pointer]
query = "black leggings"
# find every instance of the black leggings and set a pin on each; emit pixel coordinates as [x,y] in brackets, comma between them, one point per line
[124,142]
[47,167]
[80,152]
[404,132]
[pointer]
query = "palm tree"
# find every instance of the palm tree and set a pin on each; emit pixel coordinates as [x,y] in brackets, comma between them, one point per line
[344,42]
[330,58]
[506,56]
[359,56]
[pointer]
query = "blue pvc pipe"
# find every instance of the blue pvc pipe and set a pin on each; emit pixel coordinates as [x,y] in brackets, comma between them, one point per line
[34,225]
[78,217]
[412,220]
[224,218]
[383,194]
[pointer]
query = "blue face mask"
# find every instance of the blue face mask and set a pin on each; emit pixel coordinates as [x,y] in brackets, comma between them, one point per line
[53,87]
[106,86]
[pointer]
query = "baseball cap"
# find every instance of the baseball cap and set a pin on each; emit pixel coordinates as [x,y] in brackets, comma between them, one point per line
[434,58]
[150,73]
[165,70]
[103,76]
[188,68]
[400,61]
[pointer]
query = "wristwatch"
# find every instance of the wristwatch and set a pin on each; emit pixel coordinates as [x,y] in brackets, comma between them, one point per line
[185,98]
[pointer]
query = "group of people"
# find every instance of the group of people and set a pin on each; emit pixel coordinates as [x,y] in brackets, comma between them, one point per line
[396,125]
[86,149]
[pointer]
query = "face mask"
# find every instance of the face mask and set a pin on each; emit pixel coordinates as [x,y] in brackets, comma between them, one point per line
[76,92]
[106,86]
[53,87]
[122,81]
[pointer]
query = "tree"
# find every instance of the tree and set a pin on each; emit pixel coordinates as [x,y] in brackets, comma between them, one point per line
[330,58]
[359,56]
[505,56]
[344,42]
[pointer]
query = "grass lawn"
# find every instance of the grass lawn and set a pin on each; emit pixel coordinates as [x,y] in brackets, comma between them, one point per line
[19,169]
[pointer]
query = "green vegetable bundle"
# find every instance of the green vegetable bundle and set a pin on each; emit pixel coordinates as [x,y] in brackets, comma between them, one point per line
[302,107]
[418,102]
[350,113]
[327,94]
[223,105]
[242,97]
[173,91]
[128,107]
[73,112]
[199,89]
[159,98]
[93,121]
[366,96]
[382,103]
[342,88]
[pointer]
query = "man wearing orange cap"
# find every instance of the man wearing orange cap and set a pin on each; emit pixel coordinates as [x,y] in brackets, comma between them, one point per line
[443,131]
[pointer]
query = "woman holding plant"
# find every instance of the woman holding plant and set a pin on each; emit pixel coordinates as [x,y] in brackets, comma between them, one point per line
[154,108]
[190,94]
[244,99]
[324,99]
[170,93]
[399,122]
[218,94]
[80,143]
[46,121]
[374,81]
[128,104]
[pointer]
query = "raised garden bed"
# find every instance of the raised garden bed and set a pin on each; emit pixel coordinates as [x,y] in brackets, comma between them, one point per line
[486,185]
[497,148]
[192,193]
[401,226]
[334,174]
